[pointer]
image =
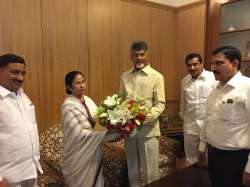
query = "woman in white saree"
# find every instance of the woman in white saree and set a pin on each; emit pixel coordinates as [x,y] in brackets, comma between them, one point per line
[82,152]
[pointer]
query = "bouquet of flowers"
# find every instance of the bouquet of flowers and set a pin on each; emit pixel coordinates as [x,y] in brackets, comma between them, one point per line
[124,114]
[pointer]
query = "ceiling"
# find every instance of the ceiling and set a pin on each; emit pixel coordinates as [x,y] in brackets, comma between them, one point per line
[174,3]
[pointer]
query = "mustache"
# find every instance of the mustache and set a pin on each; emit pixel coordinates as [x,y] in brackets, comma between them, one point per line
[191,71]
[18,81]
[215,72]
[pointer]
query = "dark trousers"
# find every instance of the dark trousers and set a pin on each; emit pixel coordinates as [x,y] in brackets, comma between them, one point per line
[226,167]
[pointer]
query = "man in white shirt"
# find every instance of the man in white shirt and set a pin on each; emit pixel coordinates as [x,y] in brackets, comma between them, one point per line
[19,146]
[195,87]
[226,131]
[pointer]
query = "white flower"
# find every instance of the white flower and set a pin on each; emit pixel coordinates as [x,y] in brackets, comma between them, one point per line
[119,115]
[137,122]
[111,101]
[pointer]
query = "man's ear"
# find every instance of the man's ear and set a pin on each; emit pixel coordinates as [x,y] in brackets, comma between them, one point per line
[131,55]
[202,64]
[236,62]
[148,55]
[1,69]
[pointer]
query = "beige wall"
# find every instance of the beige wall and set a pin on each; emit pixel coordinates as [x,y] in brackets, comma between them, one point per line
[94,36]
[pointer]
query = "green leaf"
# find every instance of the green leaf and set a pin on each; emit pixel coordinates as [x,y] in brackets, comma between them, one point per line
[103,115]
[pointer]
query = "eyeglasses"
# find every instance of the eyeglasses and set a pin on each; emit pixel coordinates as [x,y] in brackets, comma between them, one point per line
[217,62]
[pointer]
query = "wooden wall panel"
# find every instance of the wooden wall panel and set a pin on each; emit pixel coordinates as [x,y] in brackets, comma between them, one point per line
[136,25]
[163,47]
[64,29]
[104,37]
[94,36]
[20,33]
[190,37]
[156,25]
[212,28]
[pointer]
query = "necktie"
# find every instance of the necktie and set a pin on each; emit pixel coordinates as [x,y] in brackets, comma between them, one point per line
[90,119]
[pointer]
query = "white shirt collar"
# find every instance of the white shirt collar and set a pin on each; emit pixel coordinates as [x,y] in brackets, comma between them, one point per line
[201,76]
[5,92]
[146,69]
[234,81]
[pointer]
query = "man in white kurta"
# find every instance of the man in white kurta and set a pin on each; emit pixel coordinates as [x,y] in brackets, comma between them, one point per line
[195,88]
[19,146]
[143,149]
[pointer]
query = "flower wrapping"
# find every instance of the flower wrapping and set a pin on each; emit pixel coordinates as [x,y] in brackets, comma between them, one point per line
[124,114]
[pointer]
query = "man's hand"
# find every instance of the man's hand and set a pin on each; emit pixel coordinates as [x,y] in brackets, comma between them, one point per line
[202,159]
[246,178]
[4,183]
[148,118]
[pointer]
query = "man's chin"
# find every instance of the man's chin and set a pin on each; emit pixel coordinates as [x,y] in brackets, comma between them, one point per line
[217,78]
[139,66]
[194,75]
[14,89]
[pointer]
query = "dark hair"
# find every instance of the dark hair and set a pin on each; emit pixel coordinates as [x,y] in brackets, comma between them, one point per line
[10,58]
[230,52]
[193,55]
[69,78]
[139,45]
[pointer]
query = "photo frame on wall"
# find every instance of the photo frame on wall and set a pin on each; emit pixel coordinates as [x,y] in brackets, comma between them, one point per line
[247,52]
[245,68]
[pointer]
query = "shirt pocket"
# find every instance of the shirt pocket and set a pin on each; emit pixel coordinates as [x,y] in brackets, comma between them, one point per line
[205,91]
[31,114]
[227,112]
[233,109]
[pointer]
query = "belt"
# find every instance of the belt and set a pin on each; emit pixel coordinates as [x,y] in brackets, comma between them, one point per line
[212,148]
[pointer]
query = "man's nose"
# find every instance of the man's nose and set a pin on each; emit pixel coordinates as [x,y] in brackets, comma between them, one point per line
[82,85]
[140,57]
[20,77]
[191,67]
[212,66]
